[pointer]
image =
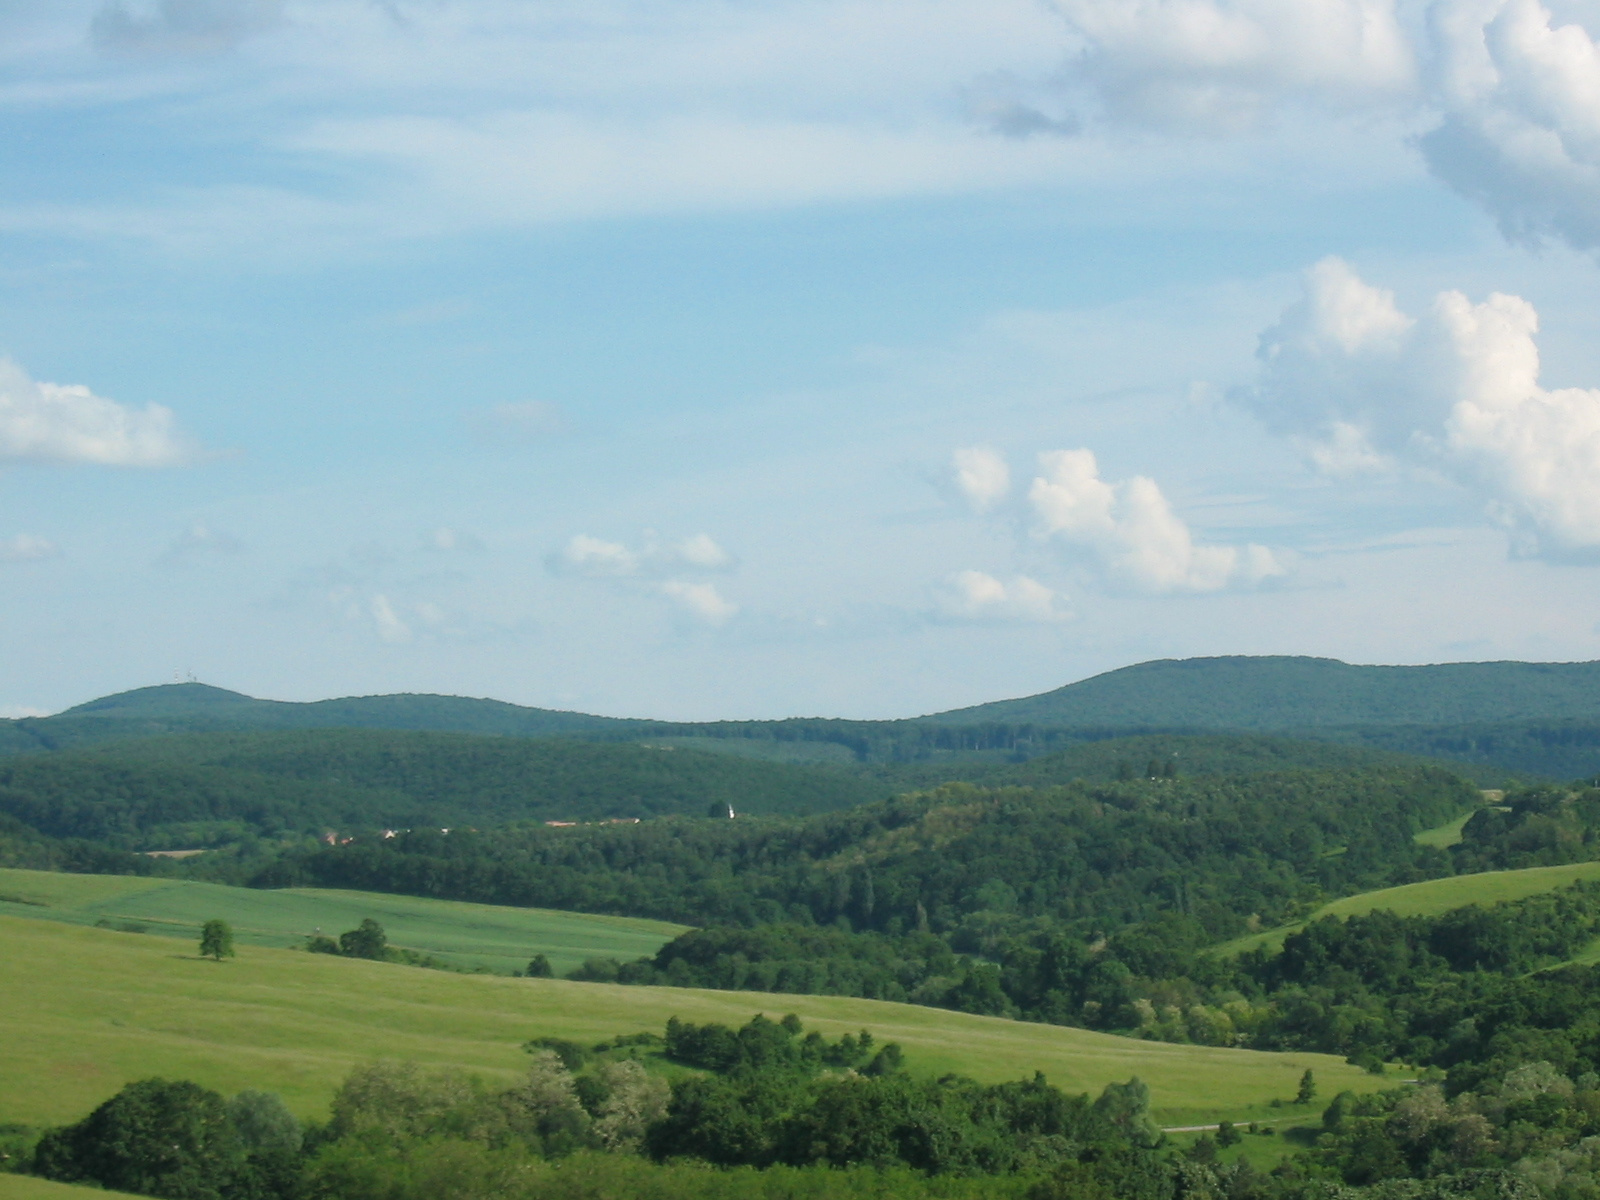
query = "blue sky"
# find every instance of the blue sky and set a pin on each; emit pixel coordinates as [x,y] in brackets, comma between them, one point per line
[854,357]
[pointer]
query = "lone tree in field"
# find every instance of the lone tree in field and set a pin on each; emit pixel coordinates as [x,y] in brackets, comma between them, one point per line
[1308,1089]
[366,941]
[216,940]
[540,968]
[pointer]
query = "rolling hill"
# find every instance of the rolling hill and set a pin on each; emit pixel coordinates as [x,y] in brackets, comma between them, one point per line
[88,1009]
[467,936]
[1296,693]
[207,789]
[1430,898]
[1540,719]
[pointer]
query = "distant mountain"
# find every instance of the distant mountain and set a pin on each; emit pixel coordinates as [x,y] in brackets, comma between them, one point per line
[1283,694]
[1540,719]
[200,708]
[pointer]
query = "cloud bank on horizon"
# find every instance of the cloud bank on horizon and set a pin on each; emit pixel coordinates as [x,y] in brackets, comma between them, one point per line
[867,356]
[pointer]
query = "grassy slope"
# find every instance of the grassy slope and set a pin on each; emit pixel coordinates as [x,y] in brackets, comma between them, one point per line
[88,1010]
[1432,898]
[499,938]
[25,1187]
[1445,835]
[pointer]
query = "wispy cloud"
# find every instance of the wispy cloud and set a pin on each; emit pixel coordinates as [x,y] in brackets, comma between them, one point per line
[702,601]
[26,547]
[601,559]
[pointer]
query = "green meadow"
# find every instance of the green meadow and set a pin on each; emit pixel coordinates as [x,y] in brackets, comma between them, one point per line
[26,1187]
[89,1009]
[1432,897]
[488,936]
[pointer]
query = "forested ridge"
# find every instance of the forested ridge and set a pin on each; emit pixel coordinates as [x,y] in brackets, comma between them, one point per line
[1531,719]
[1093,856]
[211,789]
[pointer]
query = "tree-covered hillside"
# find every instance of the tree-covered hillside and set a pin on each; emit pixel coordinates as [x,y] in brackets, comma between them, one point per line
[1095,856]
[1532,719]
[214,788]
[199,708]
[1289,693]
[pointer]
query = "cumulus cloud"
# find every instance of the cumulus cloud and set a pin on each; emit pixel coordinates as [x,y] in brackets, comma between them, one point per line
[1457,390]
[701,601]
[26,547]
[977,596]
[982,476]
[598,558]
[50,422]
[1521,133]
[1333,375]
[1129,528]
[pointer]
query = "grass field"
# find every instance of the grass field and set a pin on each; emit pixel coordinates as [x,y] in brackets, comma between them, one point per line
[1432,898]
[470,935]
[87,1010]
[1446,835]
[26,1187]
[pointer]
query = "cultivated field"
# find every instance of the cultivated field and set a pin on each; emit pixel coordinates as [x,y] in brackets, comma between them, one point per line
[1433,897]
[89,1009]
[498,938]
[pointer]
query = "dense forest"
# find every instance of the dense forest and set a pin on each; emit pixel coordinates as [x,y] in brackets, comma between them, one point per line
[203,790]
[1223,850]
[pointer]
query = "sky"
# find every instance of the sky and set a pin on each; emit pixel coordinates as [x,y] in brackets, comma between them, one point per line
[858,358]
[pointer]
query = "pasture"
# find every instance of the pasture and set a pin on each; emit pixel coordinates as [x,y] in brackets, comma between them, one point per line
[471,936]
[1430,898]
[26,1187]
[88,1010]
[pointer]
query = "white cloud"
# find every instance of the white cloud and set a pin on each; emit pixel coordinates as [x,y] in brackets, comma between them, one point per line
[1332,375]
[1457,390]
[587,555]
[974,595]
[1521,134]
[1225,65]
[49,422]
[702,601]
[592,556]
[982,476]
[390,627]
[700,551]
[25,547]
[1131,531]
